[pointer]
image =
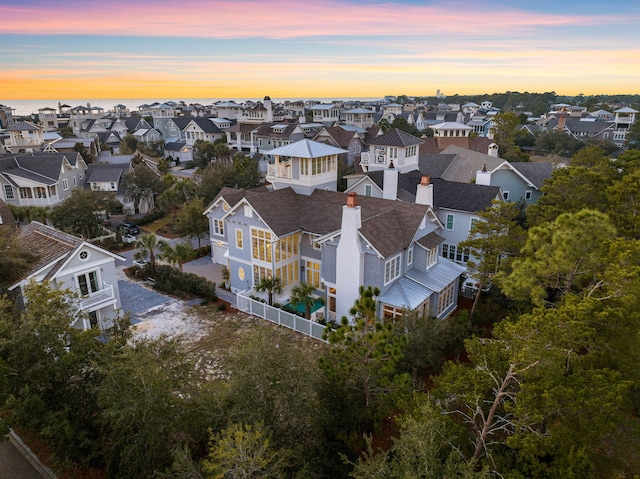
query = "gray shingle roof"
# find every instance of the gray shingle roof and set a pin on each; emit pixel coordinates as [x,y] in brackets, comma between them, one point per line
[396,137]
[536,172]
[41,167]
[389,226]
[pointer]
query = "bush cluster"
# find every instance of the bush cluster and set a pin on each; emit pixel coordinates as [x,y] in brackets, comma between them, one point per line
[151,217]
[171,280]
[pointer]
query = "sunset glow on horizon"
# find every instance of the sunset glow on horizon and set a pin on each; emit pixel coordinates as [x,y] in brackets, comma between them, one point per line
[329,48]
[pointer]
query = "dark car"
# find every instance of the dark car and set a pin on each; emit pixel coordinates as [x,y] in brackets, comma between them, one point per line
[129,228]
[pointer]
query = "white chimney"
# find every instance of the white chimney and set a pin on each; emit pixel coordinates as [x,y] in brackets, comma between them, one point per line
[483,177]
[424,193]
[269,106]
[302,119]
[390,183]
[493,150]
[349,258]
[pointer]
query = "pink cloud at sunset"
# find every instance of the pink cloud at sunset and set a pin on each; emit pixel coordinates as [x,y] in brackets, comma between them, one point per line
[282,19]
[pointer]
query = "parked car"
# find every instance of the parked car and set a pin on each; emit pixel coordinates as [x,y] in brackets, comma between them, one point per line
[129,228]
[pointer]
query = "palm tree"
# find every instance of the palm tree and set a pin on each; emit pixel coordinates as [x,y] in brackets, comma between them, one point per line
[301,295]
[269,285]
[180,253]
[147,245]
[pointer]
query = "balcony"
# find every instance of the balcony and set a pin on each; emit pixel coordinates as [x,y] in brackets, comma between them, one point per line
[48,201]
[98,298]
[279,171]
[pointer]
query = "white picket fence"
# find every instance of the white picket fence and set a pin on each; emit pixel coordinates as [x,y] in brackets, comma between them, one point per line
[280,316]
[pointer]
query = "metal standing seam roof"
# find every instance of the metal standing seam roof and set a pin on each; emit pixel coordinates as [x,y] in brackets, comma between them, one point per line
[306,149]
[439,276]
[406,293]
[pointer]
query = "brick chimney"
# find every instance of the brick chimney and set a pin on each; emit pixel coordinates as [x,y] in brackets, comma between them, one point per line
[424,193]
[561,122]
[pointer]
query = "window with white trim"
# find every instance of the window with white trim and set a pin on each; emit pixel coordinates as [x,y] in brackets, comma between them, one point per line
[391,312]
[367,190]
[261,245]
[432,257]
[445,298]
[248,211]
[75,181]
[505,195]
[312,271]
[392,269]
[9,193]
[472,223]
[239,239]
[410,255]
[450,221]
[527,195]
[65,184]
[88,283]
[218,227]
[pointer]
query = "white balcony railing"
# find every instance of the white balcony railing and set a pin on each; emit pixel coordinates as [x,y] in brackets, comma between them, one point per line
[279,171]
[98,297]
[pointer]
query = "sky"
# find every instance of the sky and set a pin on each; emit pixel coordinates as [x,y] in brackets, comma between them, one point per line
[315,49]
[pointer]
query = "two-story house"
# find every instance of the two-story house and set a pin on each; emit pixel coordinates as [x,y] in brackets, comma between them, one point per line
[326,113]
[304,166]
[68,262]
[40,179]
[24,137]
[337,243]
[518,181]
[393,147]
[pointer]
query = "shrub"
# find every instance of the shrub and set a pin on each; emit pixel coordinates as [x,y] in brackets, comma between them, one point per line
[156,214]
[173,281]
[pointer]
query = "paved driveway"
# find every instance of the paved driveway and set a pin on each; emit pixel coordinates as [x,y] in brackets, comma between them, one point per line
[137,299]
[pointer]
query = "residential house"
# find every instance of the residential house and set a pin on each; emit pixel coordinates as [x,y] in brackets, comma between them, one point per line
[518,181]
[161,114]
[40,179]
[228,109]
[178,151]
[68,262]
[327,114]
[625,117]
[347,137]
[270,135]
[6,116]
[48,119]
[393,147]
[24,137]
[80,116]
[336,243]
[455,204]
[360,117]
[201,129]
[260,112]
[304,166]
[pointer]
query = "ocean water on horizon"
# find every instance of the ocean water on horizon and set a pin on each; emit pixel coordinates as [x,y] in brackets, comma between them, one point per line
[27,107]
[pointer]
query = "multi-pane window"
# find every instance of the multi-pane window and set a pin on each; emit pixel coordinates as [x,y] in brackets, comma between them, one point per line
[65,184]
[287,247]
[391,312]
[450,219]
[393,152]
[288,273]
[261,245]
[367,190]
[8,192]
[445,299]
[392,269]
[25,193]
[432,257]
[312,270]
[88,283]
[451,252]
[411,150]
[239,239]
[410,256]
[218,227]
[473,223]
[40,192]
